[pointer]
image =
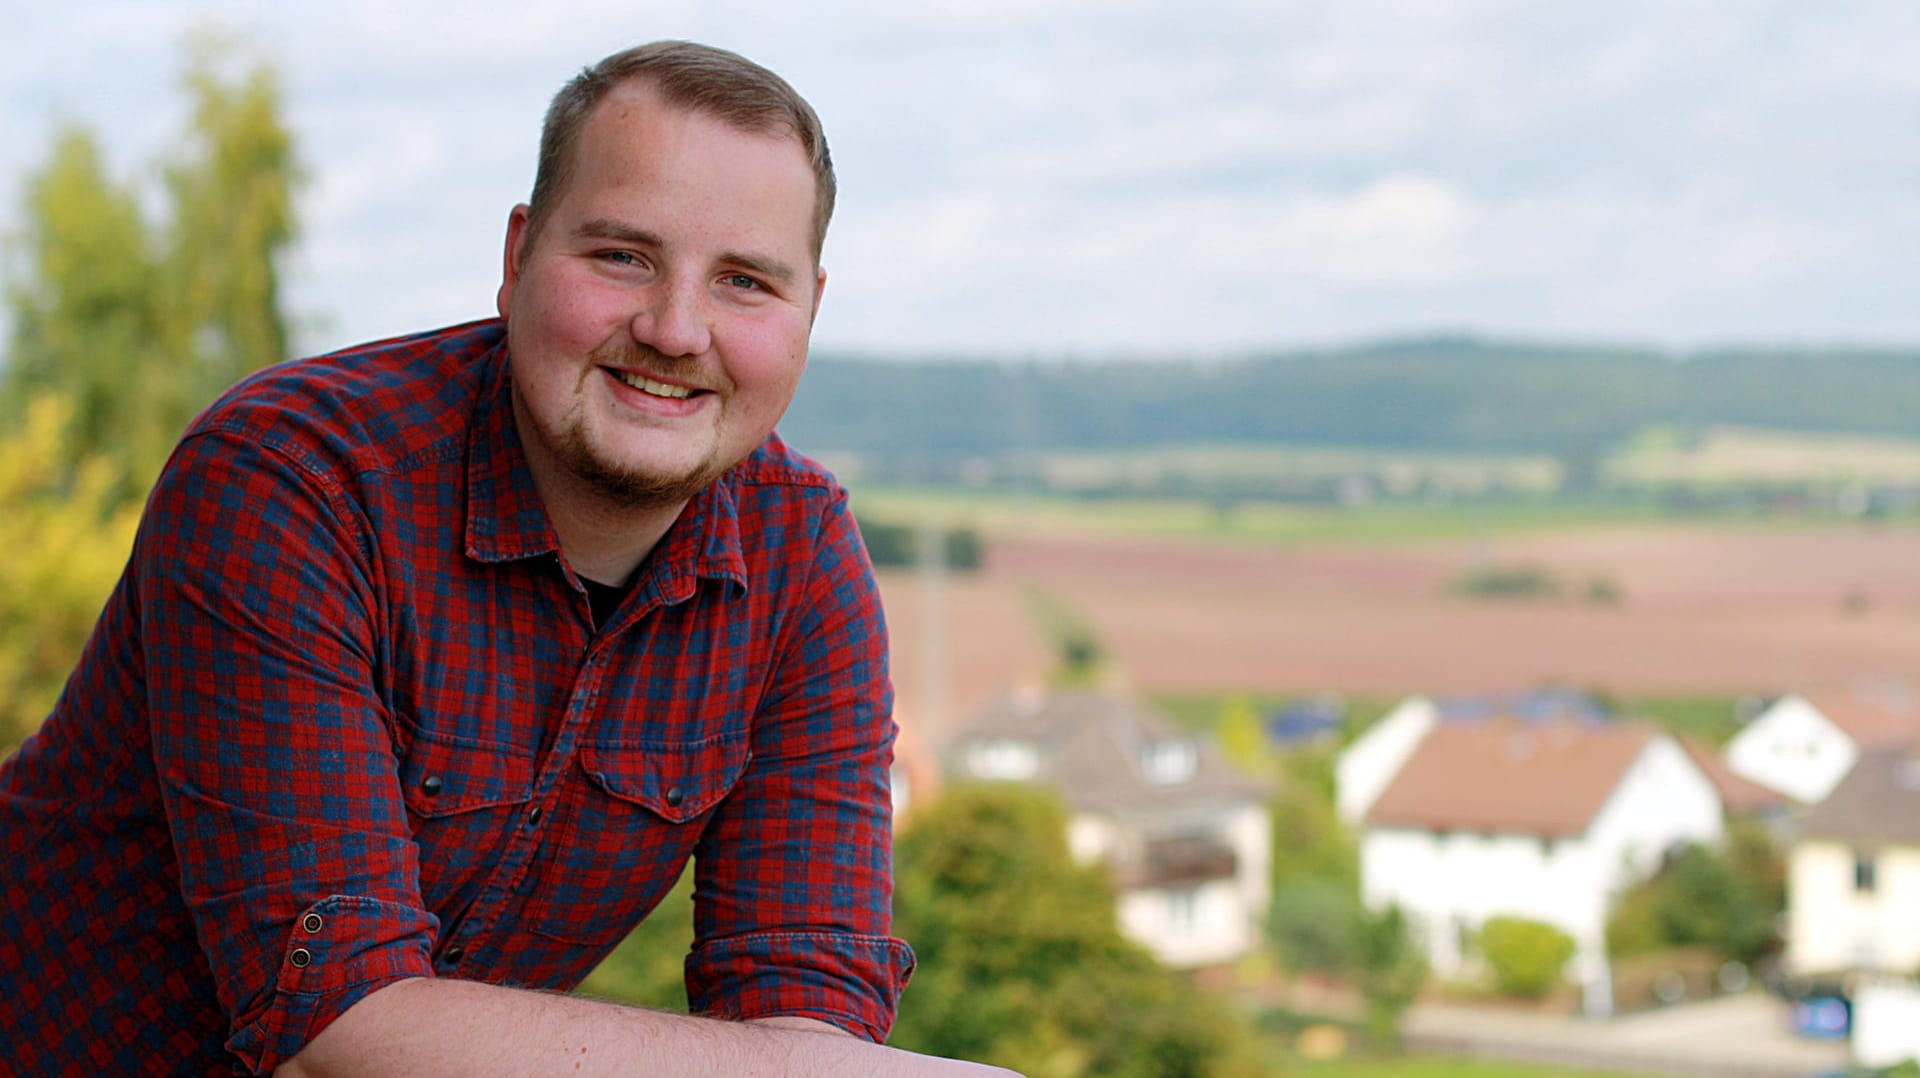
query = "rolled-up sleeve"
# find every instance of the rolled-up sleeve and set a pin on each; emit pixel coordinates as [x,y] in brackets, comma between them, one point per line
[795,872]
[275,764]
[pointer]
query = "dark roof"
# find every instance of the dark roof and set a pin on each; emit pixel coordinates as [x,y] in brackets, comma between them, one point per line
[1534,705]
[1093,748]
[1305,720]
[1506,776]
[1878,801]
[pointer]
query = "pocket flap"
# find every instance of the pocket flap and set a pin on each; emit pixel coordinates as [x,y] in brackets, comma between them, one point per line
[441,778]
[675,782]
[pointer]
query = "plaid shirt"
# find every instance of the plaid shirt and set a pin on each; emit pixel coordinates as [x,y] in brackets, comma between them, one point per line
[347,720]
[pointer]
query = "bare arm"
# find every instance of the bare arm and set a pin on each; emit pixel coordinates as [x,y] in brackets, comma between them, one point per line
[428,1026]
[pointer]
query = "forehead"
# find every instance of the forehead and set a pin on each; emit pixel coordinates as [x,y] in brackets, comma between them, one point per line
[640,151]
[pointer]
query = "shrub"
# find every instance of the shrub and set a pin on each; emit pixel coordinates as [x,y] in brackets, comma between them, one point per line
[1526,957]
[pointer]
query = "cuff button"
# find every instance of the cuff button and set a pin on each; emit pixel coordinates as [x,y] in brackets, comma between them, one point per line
[301,958]
[311,922]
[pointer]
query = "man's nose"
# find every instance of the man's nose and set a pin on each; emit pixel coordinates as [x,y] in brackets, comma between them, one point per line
[674,318]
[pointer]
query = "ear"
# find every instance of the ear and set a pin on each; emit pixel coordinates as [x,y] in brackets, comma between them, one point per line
[819,289]
[512,257]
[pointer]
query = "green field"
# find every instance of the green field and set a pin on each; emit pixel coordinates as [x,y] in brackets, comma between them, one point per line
[1436,1067]
[1259,522]
[999,512]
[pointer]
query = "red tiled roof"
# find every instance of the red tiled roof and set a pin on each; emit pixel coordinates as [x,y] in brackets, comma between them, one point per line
[1738,795]
[1869,719]
[1508,777]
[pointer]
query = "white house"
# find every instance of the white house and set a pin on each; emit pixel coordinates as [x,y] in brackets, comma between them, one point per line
[1853,873]
[1802,746]
[1549,821]
[1188,839]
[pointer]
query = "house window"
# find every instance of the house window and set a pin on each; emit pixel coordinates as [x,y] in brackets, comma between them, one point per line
[1183,910]
[1865,873]
[1003,758]
[1164,763]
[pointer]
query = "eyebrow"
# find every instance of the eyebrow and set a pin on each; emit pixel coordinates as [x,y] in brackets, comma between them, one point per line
[602,228]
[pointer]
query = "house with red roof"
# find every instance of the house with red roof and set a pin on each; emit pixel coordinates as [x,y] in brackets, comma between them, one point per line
[1546,820]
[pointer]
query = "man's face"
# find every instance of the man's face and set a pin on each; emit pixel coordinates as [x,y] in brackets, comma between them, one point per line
[658,321]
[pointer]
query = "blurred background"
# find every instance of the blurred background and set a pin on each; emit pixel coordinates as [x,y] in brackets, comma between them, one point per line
[1251,408]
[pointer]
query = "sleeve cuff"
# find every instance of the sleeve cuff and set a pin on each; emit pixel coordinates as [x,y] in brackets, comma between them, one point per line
[337,952]
[849,980]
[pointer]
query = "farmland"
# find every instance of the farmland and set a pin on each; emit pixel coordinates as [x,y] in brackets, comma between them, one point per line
[1688,609]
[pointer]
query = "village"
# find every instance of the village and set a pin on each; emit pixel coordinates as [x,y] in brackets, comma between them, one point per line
[1548,808]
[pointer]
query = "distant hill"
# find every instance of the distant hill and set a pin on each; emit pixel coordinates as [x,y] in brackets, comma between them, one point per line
[1453,394]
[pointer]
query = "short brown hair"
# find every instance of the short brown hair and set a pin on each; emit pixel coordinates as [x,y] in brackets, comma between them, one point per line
[699,78]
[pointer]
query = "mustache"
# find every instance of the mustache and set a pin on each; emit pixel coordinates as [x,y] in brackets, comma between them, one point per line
[636,355]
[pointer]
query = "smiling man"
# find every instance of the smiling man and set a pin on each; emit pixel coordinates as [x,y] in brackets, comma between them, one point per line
[438,658]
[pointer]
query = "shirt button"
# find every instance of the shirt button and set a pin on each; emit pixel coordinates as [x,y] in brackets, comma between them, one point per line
[431,785]
[675,796]
[454,954]
[533,818]
[301,958]
[311,922]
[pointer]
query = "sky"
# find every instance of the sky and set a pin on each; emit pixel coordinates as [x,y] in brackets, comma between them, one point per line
[1091,178]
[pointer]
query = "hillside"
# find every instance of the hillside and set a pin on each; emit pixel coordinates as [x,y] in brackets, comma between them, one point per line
[1443,394]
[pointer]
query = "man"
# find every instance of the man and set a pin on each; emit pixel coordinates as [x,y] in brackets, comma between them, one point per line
[437,658]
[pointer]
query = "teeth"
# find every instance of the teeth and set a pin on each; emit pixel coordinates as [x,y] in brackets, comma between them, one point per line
[658,389]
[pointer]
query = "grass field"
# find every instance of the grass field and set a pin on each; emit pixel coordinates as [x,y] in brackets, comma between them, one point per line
[1435,1067]
[997,513]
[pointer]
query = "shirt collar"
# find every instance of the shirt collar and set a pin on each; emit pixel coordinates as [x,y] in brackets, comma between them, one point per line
[506,520]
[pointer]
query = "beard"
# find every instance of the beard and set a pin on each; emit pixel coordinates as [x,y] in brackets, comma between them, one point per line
[619,484]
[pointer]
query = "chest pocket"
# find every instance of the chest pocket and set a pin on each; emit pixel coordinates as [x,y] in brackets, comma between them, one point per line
[627,823]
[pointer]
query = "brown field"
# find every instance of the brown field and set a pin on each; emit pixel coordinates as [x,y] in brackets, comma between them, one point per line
[1701,611]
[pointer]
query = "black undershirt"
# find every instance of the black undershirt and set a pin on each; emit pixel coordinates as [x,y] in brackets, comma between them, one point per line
[604,599]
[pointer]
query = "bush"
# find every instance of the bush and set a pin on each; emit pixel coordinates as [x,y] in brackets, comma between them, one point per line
[1526,957]
[1506,582]
[895,546]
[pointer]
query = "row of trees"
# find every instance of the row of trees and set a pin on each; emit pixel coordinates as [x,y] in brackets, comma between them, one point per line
[124,323]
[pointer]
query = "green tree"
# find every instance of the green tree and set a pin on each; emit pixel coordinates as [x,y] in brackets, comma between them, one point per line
[140,323]
[232,187]
[1727,899]
[1526,956]
[66,541]
[1393,969]
[122,328]
[1020,962]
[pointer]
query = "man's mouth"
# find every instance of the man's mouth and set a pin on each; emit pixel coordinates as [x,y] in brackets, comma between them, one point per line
[648,385]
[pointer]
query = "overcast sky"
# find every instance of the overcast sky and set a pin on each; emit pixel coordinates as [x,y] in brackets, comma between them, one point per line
[1046,177]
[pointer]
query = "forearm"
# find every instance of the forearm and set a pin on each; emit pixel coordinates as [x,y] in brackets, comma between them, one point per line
[427,1026]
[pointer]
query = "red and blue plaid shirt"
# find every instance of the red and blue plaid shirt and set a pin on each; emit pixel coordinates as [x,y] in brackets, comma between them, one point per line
[347,720]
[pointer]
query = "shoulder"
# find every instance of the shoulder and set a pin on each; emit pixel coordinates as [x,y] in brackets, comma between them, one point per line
[367,407]
[777,465]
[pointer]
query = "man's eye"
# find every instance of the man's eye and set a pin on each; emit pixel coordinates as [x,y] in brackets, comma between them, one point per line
[624,258]
[741,280]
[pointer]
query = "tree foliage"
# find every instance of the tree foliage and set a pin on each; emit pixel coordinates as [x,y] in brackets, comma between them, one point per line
[1020,960]
[1393,969]
[123,326]
[1728,900]
[140,322]
[65,541]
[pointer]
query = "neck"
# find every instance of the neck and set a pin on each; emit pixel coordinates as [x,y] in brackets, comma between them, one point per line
[602,542]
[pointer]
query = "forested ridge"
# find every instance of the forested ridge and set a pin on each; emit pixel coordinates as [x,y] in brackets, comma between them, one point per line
[1441,393]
